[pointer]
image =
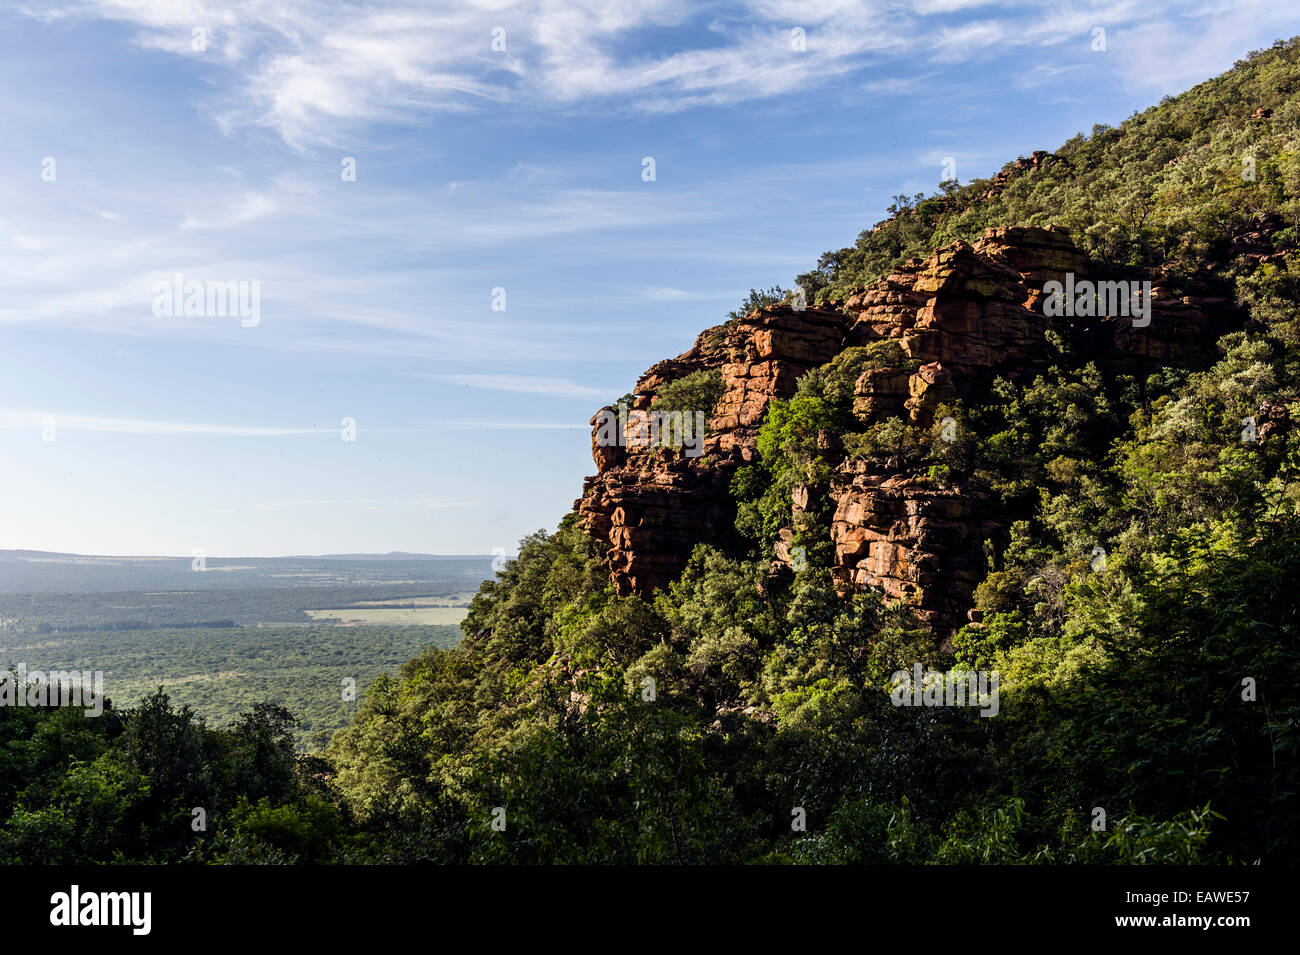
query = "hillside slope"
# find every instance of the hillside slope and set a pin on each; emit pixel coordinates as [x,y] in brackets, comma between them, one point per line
[919,459]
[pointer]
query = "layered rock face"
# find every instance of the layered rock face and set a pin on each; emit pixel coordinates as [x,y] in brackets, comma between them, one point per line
[966,314]
[915,542]
[962,317]
[651,505]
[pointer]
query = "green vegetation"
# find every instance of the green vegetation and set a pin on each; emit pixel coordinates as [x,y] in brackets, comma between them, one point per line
[696,391]
[241,633]
[220,673]
[759,299]
[154,783]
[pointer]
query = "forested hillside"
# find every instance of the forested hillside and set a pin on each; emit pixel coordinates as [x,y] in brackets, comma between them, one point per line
[922,467]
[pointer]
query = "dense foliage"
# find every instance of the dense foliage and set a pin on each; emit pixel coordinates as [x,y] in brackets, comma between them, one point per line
[154,783]
[221,673]
[758,298]
[697,391]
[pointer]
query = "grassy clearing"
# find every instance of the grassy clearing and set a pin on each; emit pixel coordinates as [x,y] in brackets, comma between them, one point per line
[390,616]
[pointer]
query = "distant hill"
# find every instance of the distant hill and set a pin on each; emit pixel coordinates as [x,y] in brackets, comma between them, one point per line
[52,572]
[391,555]
[21,554]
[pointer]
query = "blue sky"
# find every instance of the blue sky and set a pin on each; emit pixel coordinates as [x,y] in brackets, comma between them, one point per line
[476,169]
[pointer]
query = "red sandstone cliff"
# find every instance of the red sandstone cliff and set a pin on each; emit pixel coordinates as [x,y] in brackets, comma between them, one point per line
[966,314]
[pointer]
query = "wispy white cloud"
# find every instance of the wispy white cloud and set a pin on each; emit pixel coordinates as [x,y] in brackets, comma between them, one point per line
[18,420]
[74,269]
[525,384]
[666,293]
[1154,57]
[955,44]
[245,209]
[314,72]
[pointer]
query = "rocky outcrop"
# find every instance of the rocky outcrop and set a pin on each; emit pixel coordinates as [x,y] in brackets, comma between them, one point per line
[917,543]
[651,505]
[970,310]
[968,313]
[1036,160]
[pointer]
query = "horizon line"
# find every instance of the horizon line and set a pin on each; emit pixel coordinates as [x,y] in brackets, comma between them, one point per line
[394,554]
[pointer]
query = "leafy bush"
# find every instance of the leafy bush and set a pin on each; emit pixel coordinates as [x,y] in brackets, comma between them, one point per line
[696,391]
[759,299]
